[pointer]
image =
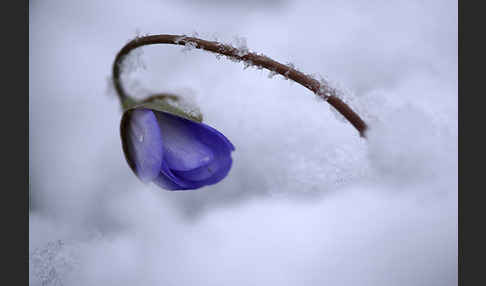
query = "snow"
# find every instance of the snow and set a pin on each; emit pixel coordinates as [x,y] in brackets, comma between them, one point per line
[51,263]
[133,62]
[186,103]
[307,201]
[110,87]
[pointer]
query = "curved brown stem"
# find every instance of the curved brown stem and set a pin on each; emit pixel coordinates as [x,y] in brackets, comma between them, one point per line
[320,89]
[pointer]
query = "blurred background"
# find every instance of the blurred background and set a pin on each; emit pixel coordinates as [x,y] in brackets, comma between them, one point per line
[307,201]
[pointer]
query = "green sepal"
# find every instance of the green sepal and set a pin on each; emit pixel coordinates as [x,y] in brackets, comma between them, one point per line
[128,102]
[168,103]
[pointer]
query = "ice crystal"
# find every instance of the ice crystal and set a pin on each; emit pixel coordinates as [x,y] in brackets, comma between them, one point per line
[233,59]
[139,34]
[240,45]
[179,39]
[189,46]
[291,67]
[247,64]
[271,74]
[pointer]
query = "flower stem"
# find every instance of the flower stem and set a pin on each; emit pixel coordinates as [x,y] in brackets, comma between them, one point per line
[320,89]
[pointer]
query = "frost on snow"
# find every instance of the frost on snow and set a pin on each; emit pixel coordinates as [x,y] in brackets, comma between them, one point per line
[51,263]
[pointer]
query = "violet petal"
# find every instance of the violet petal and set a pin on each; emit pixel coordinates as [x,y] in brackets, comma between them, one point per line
[145,144]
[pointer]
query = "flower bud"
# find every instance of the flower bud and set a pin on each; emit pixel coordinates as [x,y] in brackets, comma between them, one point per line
[165,142]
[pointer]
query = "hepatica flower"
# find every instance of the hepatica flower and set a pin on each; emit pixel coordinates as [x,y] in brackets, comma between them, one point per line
[172,148]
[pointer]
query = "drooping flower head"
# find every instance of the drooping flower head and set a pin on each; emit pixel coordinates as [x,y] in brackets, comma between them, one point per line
[172,149]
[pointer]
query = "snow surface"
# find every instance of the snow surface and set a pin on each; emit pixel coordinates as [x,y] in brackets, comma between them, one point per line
[307,202]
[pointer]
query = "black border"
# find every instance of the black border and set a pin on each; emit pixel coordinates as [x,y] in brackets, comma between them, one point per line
[460,237]
[15,143]
[471,145]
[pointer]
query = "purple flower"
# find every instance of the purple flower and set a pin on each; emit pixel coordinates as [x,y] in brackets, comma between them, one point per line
[174,152]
